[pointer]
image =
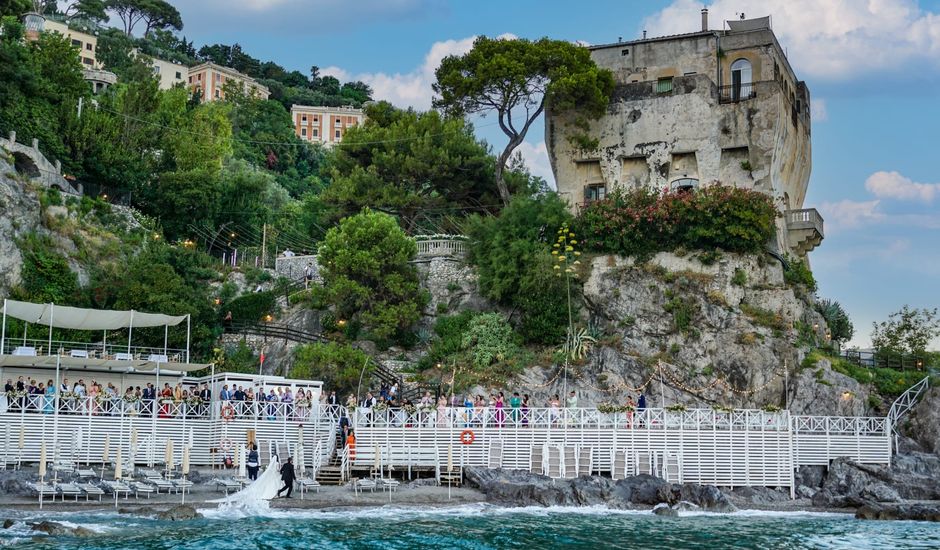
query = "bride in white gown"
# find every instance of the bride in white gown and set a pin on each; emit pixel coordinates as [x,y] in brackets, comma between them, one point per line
[259,491]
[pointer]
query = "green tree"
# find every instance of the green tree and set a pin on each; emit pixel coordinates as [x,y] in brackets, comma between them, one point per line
[368,277]
[518,79]
[840,326]
[489,339]
[161,15]
[908,331]
[15,8]
[89,10]
[411,164]
[338,366]
[46,276]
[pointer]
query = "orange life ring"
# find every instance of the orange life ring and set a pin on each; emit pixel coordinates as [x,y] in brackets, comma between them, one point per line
[228,413]
[467,437]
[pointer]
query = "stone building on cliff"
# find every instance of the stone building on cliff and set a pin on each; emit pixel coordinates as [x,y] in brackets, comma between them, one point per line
[692,109]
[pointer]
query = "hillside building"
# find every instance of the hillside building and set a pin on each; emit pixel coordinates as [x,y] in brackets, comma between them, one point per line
[85,43]
[326,125]
[169,74]
[693,109]
[209,79]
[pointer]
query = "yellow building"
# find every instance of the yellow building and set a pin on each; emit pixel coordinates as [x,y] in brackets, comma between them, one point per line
[169,74]
[87,44]
[326,125]
[209,79]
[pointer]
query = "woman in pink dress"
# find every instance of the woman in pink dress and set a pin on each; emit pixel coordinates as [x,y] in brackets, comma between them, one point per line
[500,415]
[93,393]
[442,411]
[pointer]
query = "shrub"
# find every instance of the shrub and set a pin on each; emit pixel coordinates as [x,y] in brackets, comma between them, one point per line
[840,326]
[641,222]
[739,278]
[251,307]
[763,317]
[490,339]
[46,274]
[339,366]
[511,253]
[798,274]
[683,309]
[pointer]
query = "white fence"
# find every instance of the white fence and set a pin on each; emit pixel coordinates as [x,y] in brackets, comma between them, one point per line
[727,448]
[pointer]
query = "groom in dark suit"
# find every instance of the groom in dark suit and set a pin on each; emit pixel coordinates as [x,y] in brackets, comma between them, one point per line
[287,476]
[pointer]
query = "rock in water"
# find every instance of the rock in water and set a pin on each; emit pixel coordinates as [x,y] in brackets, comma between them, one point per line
[7,523]
[181,512]
[54,529]
[663,509]
[916,512]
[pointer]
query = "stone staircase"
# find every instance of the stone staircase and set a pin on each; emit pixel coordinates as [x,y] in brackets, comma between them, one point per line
[453,479]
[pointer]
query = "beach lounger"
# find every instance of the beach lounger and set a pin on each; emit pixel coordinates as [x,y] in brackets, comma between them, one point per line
[91,491]
[116,488]
[388,484]
[86,474]
[141,487]
[363,484]
[162,484]
[63,466]
[227,485]
[43,489]
[181,484]
[306,484]
[69,490]
[149,474]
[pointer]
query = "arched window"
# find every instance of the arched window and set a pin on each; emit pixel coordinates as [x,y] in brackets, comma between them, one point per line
[741,83]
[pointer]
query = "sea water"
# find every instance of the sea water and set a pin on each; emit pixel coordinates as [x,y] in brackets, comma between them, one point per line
[478,526]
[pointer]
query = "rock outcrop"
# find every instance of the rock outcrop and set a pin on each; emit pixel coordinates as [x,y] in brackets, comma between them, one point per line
[181,512]
[906,511]
[914,476]
[519,488]
[923,424]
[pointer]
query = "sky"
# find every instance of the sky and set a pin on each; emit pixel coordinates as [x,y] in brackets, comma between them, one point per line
[872,67]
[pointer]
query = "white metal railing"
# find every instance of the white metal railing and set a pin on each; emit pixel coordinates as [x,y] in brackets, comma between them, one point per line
[832,425]
[442,247]
[491,417]
[905,402]
[28,347]
[102,405]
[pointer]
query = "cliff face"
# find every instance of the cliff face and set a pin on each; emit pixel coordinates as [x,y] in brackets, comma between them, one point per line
[724,334]
[20,207]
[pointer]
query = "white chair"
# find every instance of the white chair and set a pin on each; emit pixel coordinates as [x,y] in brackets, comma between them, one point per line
[363,484]
[86,474]
[123,356]
[388,484]
[25,351]
[227,485]
[43,489]
[79,353]
[117,488]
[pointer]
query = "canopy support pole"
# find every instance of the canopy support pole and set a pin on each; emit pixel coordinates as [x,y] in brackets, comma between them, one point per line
[155,406]
[104,344]
[166,335]
[51,319]
[130,332]
[55,404]
[3,332]
[188,318]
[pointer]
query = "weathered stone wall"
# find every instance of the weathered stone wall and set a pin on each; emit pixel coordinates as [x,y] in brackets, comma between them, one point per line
[293,267]
[650,139]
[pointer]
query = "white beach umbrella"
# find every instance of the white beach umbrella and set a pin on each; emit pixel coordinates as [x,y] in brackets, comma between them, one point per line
[107,448]
[22,442]
[76,441]
[377,465]
[240,461]
[450,457]
[118,469]
[185,466]
[42,460]
[168,455]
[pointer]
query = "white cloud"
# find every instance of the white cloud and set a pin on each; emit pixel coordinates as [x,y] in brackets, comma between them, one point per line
[411,89]
[536,159]
[847,214]
[892,185]
[827,39]
[818,110]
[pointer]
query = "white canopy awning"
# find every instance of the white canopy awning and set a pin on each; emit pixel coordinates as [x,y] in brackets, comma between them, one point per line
[86,319]
[49,361]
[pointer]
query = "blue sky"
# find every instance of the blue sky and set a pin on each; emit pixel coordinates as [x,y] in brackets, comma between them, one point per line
[873,69]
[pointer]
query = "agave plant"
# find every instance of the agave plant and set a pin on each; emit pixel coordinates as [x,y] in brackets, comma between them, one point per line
[577,346]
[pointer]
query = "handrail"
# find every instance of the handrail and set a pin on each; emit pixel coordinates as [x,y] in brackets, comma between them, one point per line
[36,347]
[904,403]
[491,417]
[276,330]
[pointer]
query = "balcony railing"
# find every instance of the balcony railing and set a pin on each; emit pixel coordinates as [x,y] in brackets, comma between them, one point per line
[806,218]
[442,247]
[90,350]
[737,92]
